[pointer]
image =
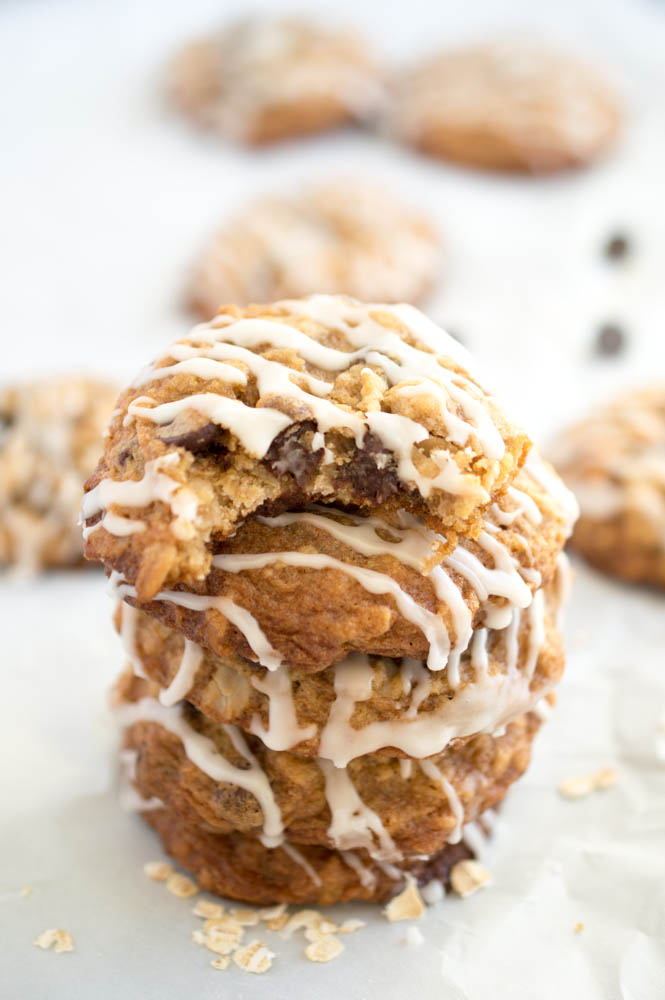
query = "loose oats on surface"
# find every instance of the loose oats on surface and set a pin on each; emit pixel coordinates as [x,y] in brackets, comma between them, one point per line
[349,926]
[468,876]
[324,948]
[272,912]
[62,940]
[309,919]
[221,943]
[246,916]
[158,871]
[206,908]
[26,891]
[408,905]
[226,924]
[254,957]
[181,886]
[578,786]
[221,963]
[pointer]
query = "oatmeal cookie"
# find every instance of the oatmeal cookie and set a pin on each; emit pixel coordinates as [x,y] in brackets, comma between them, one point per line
[506,107]
[272,407]
[263,79]
[614,461]
[347,237]
[50,439]
[314,585]
[238,867]
[214,774]
[363,705]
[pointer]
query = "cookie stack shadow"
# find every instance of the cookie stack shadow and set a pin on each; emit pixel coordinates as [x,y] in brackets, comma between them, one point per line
[346,695]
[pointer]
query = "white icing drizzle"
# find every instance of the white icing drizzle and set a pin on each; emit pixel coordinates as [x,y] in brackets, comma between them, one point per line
[283,731]
[115,525]
[184,677]
[390,870]
[502,580]
[202,752]
[479,654]
[536,618]
[353,824]
[366,876]
[431,771]
[296,856]
[432,627]
[555,486]
[412,544]
[416,681]
[239,617]
[474,837]
[153,485]
[412,369]
[484,706]
[128,621]
[255,433]
[129,797]
[525,506]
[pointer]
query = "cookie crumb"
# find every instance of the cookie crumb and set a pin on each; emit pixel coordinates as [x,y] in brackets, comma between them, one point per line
[324,948]
[181,886]
[468,876]
[413,937]
[62,940]
[408,905]
[610,340]
[206,908]
[578,787]
[254,957]
[221,963]
[26,891]
[158,871]
[579,928]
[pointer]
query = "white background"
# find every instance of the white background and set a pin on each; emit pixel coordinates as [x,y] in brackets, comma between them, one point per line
[105,200]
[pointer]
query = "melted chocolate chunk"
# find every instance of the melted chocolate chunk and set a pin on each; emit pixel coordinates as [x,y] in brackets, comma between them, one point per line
[288,455]
[439,866]
[371,473]
[206,437]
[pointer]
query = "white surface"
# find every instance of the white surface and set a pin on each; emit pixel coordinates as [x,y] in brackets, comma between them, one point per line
[104,199]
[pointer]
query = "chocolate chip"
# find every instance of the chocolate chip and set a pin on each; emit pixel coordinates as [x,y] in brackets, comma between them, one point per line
[610,340]
[370,473]
[206,437]
[617,247]
[287,455]
[438,866]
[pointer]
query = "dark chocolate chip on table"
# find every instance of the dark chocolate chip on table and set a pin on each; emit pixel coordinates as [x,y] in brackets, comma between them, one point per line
[617,246]
[610,340]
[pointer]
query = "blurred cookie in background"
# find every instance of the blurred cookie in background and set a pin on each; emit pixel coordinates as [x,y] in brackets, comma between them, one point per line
[262,79]
[50,438]
[510,106]
[614,461]
[344,237]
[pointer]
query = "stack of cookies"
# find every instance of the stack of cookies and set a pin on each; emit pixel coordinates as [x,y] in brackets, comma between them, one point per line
[338,566]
